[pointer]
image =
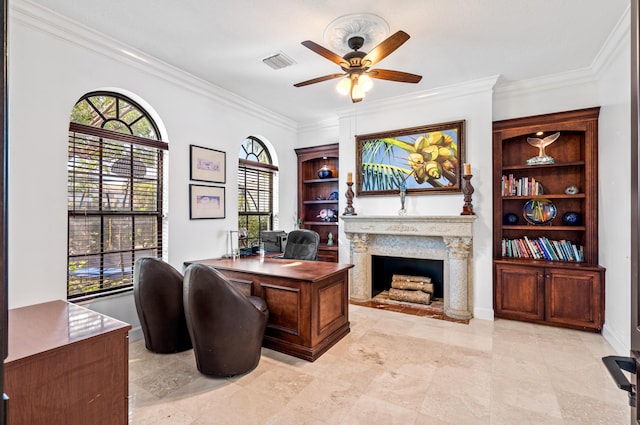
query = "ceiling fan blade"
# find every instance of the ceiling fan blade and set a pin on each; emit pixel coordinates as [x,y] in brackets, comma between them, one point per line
[386,74]
[385,48]
[319,80]
[326,53]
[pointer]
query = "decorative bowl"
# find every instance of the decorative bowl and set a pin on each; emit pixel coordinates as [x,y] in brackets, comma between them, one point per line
[539,211]
[325,172]
[510,219]
[571,218]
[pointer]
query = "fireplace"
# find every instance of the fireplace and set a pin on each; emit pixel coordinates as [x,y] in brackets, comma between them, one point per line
[444,238]
[383,268]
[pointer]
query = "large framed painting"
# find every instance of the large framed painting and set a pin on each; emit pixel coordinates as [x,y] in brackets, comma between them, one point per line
[426,159]
[206,202]
[207,165]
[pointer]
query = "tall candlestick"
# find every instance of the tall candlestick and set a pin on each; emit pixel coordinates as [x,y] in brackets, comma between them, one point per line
[467,168]
[467,190]
[349,177]
[349,210]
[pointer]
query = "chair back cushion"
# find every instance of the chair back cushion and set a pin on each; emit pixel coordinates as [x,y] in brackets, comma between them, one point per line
[302,244]
[157,292]
[226,327]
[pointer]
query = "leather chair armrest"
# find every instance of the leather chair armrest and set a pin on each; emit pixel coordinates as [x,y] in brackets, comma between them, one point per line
[258,303]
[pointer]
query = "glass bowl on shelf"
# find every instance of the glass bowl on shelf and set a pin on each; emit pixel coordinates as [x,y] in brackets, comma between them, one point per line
[539,211]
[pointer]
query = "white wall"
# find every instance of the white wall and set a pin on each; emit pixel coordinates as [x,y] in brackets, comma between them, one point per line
[614,68]
[49,70]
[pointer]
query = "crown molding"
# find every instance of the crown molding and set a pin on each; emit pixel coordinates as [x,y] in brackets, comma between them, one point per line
[548,82]
[616,40]
[438,94]
[59,26]
[327,124]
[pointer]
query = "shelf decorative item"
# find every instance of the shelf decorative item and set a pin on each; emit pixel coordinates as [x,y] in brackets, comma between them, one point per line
[571,218]
[330,239]
[539,211]
[510,219]
[327,214]
[325,172]
[541,144]
[571,190]
[403,197]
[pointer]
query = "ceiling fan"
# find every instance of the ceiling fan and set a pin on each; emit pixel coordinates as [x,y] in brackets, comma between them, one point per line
[357,64]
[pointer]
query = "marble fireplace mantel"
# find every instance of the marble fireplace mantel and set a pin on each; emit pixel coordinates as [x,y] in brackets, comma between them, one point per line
[446,238]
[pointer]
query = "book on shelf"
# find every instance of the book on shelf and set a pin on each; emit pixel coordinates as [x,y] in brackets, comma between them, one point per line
[542,249]
[525,186]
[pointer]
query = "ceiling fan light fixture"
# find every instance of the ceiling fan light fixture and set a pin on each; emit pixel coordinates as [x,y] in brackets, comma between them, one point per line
[357,94]
[365,82]
[356,64]
[344,86]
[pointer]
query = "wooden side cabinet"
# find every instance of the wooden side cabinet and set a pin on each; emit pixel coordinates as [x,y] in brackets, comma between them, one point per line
[564,296]
[66,365]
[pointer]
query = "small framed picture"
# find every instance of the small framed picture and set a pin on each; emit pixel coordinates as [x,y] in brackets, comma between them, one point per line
[208,165]
[206,202]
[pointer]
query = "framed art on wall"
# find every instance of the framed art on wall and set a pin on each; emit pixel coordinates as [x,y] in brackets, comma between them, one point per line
[206,202]
[424,159]
[207,165]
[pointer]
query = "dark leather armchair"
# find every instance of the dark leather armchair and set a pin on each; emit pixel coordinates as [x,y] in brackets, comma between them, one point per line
[302,244]
[157,291]
[226,326]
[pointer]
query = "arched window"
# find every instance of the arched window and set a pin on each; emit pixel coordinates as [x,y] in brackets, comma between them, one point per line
[114,172]
[255,190]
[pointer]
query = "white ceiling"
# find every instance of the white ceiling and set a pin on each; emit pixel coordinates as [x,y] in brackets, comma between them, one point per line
[452,41]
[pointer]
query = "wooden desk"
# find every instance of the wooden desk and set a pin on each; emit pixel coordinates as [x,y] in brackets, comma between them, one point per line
[66,365]
[308,300]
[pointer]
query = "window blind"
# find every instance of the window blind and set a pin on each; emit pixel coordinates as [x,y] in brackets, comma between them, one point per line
[255,199]
[115,208]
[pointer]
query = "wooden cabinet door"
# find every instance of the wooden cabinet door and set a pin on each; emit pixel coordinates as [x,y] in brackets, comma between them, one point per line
[519,292]
[574,298]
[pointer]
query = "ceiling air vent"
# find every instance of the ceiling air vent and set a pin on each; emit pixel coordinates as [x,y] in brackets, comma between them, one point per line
[278,60]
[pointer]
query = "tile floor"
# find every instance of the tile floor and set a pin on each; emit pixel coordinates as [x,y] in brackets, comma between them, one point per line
[395,368]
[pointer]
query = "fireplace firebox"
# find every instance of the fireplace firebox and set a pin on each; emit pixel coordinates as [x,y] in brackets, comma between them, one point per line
[384,267]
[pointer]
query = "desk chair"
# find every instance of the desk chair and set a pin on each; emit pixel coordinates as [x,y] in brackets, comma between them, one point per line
[157,292]
[302,244]
[226,326]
